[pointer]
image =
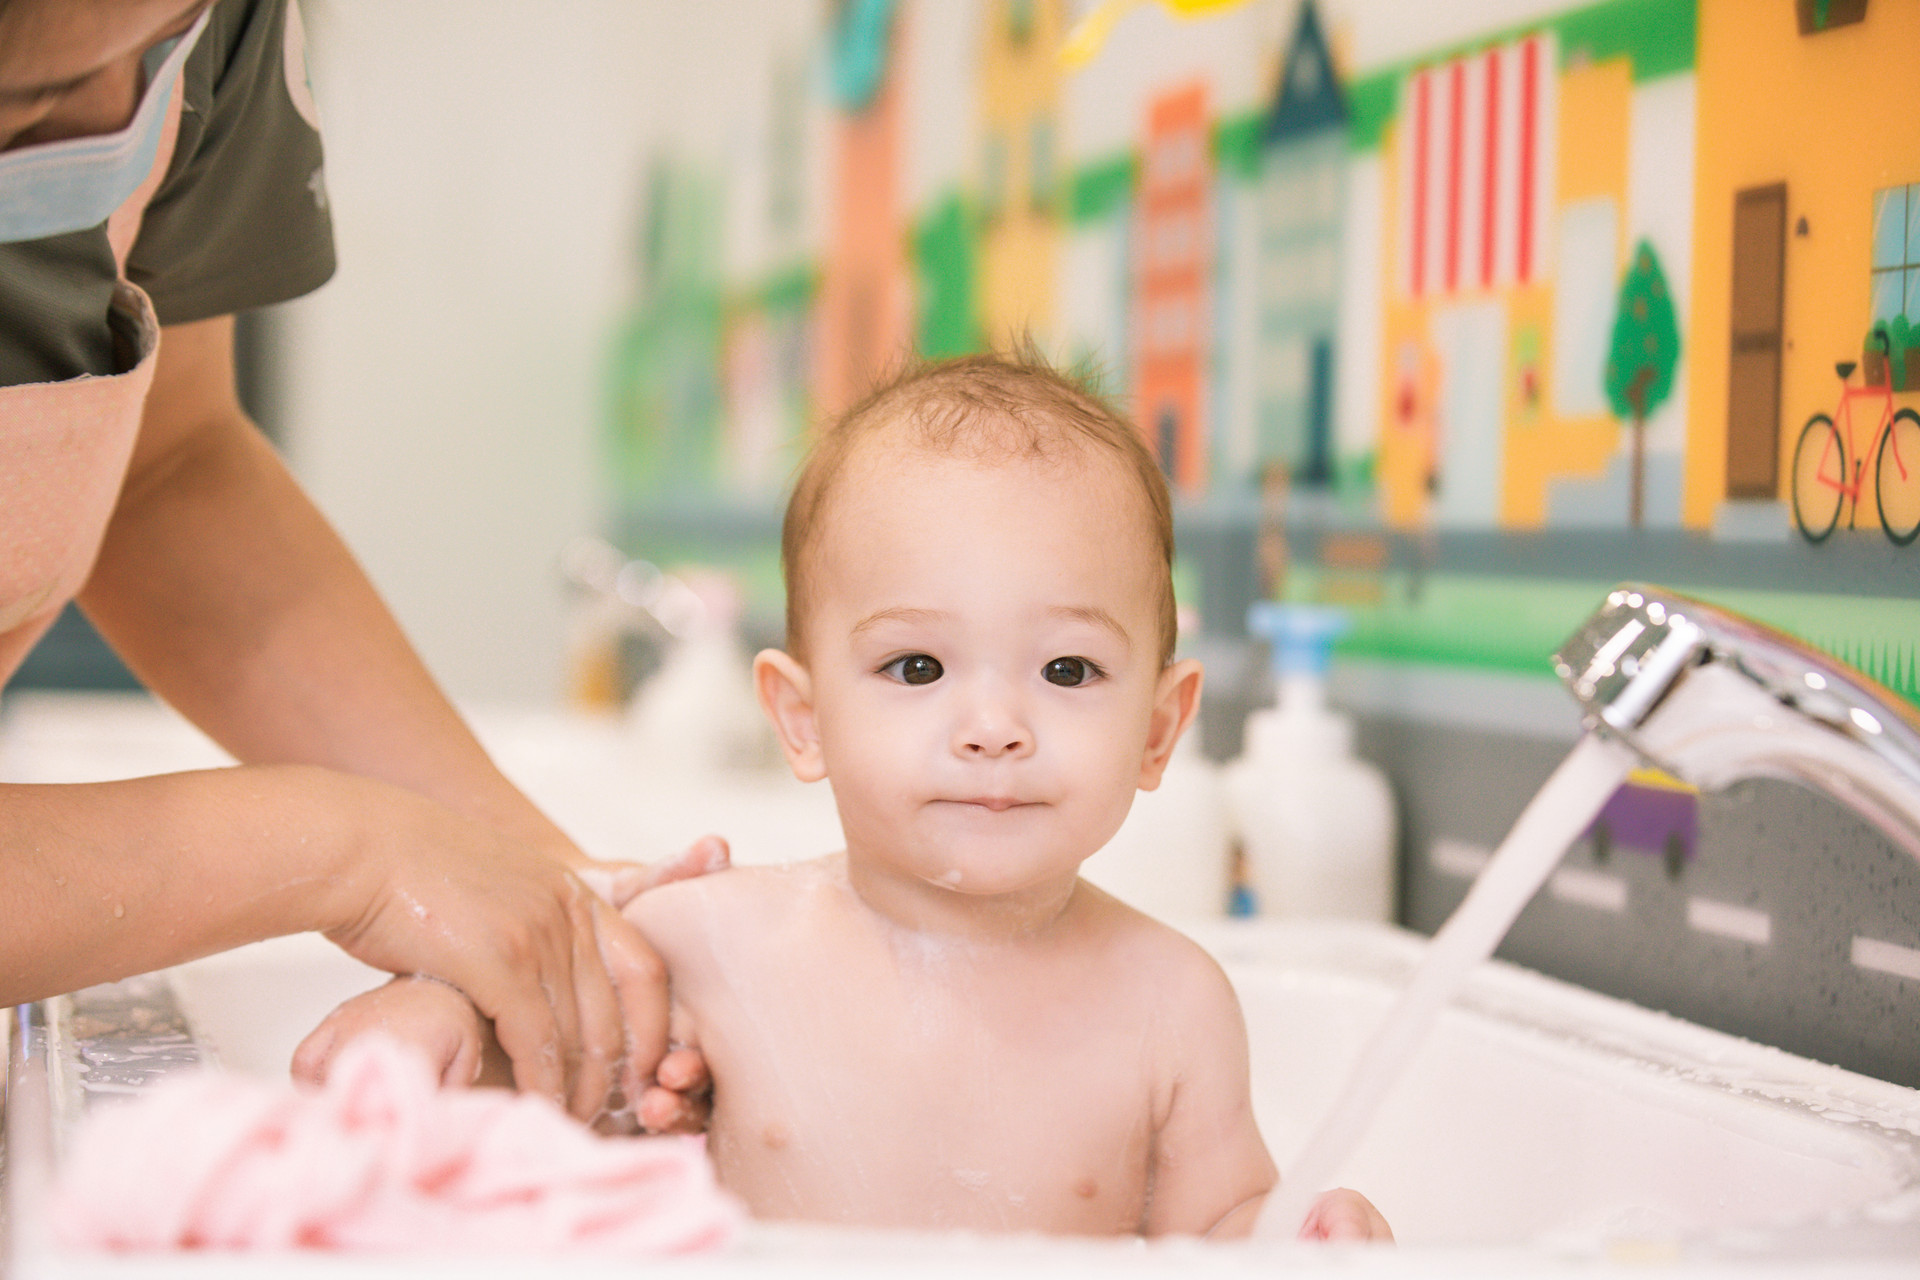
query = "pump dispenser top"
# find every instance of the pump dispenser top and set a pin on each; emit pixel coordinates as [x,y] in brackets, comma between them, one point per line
[1299,650]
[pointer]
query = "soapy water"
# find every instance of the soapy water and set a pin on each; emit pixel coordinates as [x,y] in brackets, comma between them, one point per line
[1550,823]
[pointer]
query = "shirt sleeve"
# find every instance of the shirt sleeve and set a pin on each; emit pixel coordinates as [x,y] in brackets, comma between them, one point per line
[241,219]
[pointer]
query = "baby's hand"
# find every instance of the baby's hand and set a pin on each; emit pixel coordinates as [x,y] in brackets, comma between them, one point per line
[1341,1214]
[427,1015]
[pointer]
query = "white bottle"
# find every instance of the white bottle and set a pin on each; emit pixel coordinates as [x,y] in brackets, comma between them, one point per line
[1171,856]
[1317,823]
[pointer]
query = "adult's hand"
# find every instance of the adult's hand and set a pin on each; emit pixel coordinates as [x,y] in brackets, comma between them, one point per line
[573,991]
[678,1097]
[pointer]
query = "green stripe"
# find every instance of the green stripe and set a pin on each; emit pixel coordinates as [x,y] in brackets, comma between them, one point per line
[1236,144]
[1099,189]
[1515,624]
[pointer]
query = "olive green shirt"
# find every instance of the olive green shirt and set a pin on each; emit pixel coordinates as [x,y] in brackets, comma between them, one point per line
[240,220]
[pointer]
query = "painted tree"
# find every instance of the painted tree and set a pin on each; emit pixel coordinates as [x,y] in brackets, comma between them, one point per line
[1642,358]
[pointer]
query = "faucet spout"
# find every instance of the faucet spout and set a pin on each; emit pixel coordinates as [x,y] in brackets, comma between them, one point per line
[1714,698]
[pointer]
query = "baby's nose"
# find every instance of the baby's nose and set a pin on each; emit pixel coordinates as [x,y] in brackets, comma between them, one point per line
[996,743]
[993,727]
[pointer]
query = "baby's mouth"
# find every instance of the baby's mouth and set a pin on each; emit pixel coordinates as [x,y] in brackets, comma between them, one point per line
[993,804]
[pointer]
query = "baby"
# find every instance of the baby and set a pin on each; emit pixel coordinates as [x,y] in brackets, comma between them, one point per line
[944,1026]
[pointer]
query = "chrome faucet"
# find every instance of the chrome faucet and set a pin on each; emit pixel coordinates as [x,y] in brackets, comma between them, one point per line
[1714,698]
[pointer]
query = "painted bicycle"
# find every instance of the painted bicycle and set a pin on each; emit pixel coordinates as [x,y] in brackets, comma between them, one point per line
[1830,469]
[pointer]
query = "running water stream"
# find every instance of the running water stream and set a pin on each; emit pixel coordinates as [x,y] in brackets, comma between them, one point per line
[1551,822]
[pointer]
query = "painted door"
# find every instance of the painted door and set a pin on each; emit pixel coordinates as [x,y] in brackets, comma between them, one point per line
[1318,469]
[1753,394]
[1471,340]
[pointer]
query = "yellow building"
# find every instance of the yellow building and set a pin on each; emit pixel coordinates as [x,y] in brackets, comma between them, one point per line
[1807,146]
[1019,174]
[1506,183]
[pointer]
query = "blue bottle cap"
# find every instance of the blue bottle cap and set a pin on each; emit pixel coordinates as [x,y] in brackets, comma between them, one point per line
[1299,636]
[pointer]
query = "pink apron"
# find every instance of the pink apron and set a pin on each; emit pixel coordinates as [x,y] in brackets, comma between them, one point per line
[64,448]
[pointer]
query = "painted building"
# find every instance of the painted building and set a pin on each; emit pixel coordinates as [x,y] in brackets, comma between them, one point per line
[1019,167]
[1172,261]
[1519,176]
[1301,214]
[864,321]
[1808,232]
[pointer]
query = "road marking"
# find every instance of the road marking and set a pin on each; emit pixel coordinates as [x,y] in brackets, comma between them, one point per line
[1886,957]
[1742,924]
[1589,889]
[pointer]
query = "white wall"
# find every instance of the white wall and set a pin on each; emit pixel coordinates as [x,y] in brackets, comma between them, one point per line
[443,400]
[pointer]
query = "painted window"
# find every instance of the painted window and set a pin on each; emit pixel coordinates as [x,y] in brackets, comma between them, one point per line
[1020,20]
[1583,305]
[1896,252]
[1176,159]
[1476,157]
[1174,247]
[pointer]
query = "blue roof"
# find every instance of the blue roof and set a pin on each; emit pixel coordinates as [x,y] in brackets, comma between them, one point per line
[1310,100]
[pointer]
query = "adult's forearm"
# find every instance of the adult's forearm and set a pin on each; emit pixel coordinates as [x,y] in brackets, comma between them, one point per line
[102,880]
[229,594]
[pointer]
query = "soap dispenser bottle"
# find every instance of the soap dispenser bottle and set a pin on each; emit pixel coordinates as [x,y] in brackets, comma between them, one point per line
[1316,823]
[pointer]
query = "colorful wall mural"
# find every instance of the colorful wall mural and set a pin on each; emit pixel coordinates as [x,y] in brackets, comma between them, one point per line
[1453,323]
[1589,276]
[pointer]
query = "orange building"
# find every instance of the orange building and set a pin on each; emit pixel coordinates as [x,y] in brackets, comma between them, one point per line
[1172,273]
[864,325]
[1805,232]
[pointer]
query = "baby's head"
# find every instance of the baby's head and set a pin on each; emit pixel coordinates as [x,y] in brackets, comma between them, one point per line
[986,410]
[980,626]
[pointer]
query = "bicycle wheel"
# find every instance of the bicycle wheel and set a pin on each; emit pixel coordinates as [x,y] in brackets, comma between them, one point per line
[1896,477]
[1819,471]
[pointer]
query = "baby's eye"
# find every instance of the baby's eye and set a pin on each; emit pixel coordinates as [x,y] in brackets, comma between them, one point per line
[915,668]
[1068,672]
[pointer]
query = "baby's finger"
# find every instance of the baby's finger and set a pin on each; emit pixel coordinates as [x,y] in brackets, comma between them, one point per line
[683,1070]
[463,1067]
[1342,1214]
[704,856]
[664,1111]
[315,1052]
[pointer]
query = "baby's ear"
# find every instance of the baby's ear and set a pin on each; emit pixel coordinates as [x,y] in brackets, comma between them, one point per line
[1175,700]
[786,695]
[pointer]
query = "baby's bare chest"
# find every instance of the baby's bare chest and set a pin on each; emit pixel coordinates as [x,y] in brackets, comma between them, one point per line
[903,1104]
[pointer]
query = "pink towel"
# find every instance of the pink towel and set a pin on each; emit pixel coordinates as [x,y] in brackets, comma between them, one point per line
[380,1159]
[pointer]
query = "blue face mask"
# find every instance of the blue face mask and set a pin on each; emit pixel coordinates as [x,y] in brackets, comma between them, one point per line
[76,183]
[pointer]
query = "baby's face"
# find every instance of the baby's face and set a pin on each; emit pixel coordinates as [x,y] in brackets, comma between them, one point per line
[984,659]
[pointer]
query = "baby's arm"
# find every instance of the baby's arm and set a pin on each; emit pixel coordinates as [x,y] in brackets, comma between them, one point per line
[1211,1170]
[427,1015]
[1208,1159]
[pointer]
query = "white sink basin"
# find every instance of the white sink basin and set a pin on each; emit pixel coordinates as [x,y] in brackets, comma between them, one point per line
[1538,1113]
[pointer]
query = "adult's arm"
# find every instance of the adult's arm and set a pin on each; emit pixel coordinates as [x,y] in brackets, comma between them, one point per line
[229,594]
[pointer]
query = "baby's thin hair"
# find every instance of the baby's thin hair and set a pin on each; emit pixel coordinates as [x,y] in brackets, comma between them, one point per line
[977,407]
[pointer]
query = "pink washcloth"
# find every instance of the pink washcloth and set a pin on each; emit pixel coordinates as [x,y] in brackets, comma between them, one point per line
[379,1159]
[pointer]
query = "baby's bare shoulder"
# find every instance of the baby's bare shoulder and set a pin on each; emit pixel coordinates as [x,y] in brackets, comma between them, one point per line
[1175,970]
